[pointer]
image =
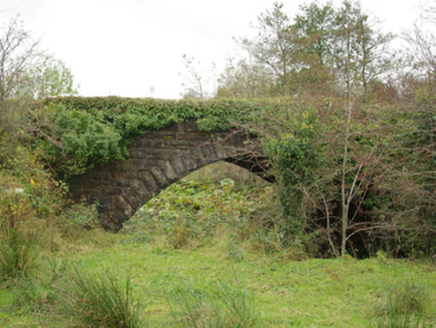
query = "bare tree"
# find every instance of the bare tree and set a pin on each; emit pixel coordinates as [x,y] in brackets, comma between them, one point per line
[17,52]
[196,79]
[26,71]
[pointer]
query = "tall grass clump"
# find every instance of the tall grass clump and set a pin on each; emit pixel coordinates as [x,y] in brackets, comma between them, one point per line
[37,294]
[18,254]
[34,296]
[402,305]
[99,301]
[218,306]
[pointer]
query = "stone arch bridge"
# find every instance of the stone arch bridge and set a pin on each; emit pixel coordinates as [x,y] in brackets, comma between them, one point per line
[158,159]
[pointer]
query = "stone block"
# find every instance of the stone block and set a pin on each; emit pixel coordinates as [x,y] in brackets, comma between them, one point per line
[122,206]
[219,151]
[209,153]
[188,162]
[142,164]
[158,175]
[192,136]
[133,175]
[197,157]
[177,164]
[115,191]
[189,125]
[137,188]
[174,127]
[150,182]
[168,170]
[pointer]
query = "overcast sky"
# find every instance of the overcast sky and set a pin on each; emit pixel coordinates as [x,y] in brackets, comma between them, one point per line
[134,48]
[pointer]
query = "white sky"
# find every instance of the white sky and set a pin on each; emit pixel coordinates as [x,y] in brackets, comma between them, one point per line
[126,47]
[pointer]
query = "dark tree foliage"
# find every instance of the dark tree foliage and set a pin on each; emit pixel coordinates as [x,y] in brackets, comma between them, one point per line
[353,151]
[307,54]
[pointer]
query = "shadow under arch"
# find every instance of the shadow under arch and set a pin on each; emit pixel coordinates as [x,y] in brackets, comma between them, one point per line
[158,159]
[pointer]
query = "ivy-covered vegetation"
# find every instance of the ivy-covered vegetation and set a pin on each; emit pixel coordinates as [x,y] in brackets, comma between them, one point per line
[78,133]
[352,151]
[319,185]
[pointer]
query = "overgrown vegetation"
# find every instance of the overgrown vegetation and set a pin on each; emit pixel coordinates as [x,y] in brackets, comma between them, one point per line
[193,213]
[353,136]
[351,150]
[182,287]
[79,133]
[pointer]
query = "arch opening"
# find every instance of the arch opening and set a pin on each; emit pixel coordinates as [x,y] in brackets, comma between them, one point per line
[190,191]
[157,160]
[234,168]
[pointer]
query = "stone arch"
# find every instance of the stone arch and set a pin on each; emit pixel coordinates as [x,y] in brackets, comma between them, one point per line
[158,159]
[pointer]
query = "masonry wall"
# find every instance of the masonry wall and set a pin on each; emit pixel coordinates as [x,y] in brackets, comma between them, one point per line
[155,161]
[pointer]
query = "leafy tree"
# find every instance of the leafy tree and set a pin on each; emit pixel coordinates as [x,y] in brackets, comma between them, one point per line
[359,49]
[308,54]
[26,72]
[316,28]
[17,50]
[47,77]
[316,24]
[274,48]
[244,79]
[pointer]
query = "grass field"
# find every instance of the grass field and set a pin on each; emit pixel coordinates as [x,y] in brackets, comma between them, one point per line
[196,256]
[280,293]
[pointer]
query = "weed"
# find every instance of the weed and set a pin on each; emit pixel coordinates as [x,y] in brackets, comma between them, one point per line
[401,321]
[80,215]
[403,304]
[34,295]
[220,305]
[192,213]
[99,301]
[18,254]
[37,294]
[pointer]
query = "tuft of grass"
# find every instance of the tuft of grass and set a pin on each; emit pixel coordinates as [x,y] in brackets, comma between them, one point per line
[37,294]
[34,296]
[403,304]
[402,321]
[99,301]
[18,254]
[221,305]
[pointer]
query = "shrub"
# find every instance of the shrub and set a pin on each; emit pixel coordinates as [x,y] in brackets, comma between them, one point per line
[192,213]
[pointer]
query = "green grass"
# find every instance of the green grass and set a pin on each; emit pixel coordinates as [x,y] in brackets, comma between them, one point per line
[18,254]
[217,305]
[402,304]
[320,293]
[282,293]
[187,262]
[98,300]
